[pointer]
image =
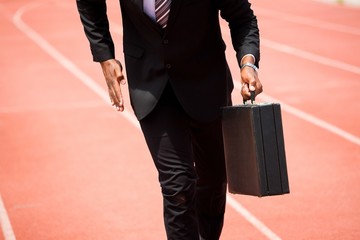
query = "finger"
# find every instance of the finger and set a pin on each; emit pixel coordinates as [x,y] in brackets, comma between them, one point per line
[259,88]
[113,98]
[113,82]
[118,105]
[114,89]
[252,84]
[245,92]
[248,82]
[118,96]
[118,73]
[121,79]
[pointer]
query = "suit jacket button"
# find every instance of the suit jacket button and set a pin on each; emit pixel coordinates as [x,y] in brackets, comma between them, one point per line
[166,41]
[168,66]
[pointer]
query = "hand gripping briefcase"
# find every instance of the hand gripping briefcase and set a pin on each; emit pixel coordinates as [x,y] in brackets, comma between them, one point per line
[254,149]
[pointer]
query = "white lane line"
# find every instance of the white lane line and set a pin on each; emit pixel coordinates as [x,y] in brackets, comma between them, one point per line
[307,21]
[54,53]
[251,218]
[287,49]
[90,83]
[52,106]
[307,117]
[5,222]
[310,56]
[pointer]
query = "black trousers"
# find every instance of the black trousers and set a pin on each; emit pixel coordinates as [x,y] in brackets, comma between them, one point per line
[189,157]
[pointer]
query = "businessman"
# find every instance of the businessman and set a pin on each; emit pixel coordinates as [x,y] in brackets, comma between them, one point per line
[178,81]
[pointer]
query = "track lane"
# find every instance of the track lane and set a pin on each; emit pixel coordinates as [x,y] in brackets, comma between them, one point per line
[272,215]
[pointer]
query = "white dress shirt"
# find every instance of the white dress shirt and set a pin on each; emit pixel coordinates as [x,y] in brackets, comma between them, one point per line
[149,8]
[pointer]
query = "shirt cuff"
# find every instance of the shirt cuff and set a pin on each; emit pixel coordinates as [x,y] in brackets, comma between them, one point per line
[248,55]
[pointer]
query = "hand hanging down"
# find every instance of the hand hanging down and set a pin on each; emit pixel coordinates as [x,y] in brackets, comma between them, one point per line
[249,78]
[112,71]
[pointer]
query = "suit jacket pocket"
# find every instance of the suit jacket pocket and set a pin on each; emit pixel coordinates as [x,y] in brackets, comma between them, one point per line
[133,51]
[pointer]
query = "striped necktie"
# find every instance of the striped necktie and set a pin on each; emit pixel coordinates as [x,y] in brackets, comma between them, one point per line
[162,9]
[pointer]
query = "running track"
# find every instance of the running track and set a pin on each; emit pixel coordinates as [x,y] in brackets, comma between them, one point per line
[73,168]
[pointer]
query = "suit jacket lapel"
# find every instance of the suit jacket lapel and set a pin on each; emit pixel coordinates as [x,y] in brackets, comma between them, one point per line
[137,5]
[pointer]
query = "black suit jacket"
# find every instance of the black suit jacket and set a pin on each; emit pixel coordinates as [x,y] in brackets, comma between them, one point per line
[190,53]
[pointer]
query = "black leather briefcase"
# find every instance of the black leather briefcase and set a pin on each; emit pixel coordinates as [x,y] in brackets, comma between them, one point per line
[254,149]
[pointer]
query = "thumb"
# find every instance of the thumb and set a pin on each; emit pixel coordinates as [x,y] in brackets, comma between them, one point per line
[252,85]
[118,71]
[122,79]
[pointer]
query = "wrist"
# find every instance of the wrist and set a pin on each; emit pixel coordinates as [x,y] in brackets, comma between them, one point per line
[249,64]
[248,58]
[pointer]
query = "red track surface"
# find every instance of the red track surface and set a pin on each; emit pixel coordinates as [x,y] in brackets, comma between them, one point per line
[72,168]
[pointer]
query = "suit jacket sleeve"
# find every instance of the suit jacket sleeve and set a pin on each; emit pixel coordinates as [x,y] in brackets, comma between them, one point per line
[96,26]
[243,27]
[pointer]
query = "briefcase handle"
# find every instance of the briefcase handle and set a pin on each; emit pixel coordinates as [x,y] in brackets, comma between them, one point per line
[252,97]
